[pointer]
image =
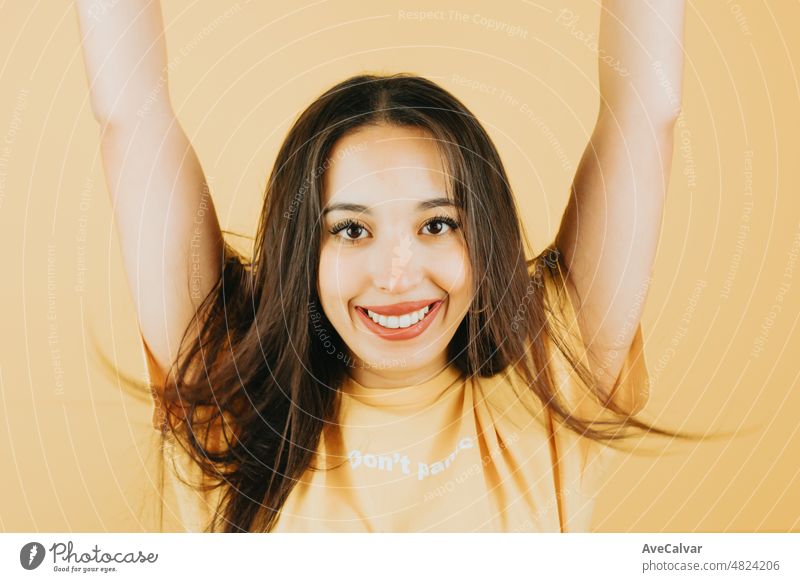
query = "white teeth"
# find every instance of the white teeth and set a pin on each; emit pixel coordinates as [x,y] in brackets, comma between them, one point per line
[398,321]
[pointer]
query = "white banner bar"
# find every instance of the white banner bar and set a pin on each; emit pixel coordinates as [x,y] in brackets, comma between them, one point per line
[348,557]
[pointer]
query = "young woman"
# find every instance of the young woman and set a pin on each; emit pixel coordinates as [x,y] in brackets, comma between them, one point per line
[388,359]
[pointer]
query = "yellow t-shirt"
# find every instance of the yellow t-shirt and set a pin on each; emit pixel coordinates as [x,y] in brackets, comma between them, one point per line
[449,455]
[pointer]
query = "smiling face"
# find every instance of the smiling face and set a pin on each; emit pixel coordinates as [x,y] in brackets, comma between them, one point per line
[394,274]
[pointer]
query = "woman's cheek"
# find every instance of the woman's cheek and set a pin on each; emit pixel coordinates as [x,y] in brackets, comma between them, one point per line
[337,278]
[451,270]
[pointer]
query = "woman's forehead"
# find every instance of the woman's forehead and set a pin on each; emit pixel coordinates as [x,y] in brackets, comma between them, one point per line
[384,164]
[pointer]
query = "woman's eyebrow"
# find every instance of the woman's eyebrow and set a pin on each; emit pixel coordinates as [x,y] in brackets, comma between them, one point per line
[424,205]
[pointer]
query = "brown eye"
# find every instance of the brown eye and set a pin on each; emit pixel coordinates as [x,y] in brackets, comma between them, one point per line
[439,225]
[435,227]
[352,230]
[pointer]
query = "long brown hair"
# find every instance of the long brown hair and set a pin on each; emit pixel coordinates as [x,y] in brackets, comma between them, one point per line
[253,385]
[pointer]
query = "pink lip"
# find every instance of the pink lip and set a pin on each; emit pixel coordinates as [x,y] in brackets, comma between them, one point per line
[409,332]
[399,308]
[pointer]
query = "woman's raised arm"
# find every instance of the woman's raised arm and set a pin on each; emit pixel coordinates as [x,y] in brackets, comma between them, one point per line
[610,229]
[168,230]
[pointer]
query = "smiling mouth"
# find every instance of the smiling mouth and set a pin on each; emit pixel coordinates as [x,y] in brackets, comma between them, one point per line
[403,321]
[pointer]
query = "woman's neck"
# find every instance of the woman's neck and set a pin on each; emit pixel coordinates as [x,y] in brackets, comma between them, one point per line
[396,376]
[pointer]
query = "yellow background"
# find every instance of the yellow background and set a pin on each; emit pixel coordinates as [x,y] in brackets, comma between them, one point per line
[78,454]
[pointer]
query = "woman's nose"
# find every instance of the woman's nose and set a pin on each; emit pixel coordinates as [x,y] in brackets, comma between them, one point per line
[396,264]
